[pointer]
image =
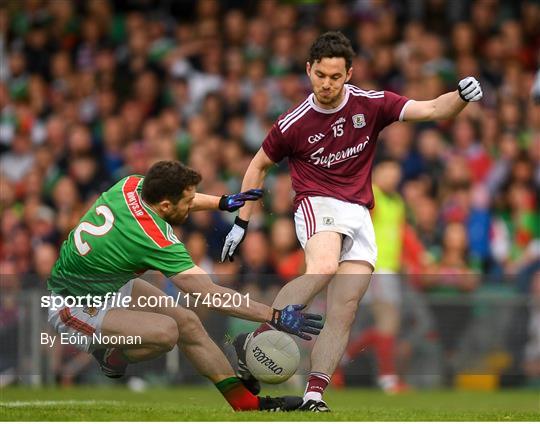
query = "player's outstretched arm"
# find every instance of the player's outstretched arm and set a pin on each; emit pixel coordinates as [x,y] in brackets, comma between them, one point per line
[253,180]
[447,105]
[198,283]
[290,319]
[227,202]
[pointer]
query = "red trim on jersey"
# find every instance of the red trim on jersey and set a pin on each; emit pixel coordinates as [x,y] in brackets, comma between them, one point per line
[310,209]
[309,217]
[143,218]
[306,220]
[77,324]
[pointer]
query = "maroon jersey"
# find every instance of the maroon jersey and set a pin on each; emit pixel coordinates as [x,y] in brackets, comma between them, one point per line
[331,151]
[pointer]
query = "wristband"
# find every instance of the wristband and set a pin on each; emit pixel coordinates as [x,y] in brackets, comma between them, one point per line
[241,223]
[223,203]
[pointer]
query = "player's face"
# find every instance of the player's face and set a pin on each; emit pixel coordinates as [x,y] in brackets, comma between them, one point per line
[179,212]
[328,76]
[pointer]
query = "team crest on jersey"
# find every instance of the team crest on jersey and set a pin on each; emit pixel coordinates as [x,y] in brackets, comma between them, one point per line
[328,220]
[359,120]
[90,310]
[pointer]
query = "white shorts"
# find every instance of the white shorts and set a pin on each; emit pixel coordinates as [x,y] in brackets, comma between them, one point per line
[385,286]
[316,214]
[83,322]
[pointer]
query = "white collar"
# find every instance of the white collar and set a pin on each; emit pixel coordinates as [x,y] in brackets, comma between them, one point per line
[334,110]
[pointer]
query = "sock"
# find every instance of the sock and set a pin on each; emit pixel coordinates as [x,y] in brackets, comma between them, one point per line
[363,341]
[262,328]
[234,392]
[384,352]
[117,358]
[316,385]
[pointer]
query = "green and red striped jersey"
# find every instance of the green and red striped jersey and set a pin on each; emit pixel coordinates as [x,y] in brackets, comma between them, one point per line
[117,239]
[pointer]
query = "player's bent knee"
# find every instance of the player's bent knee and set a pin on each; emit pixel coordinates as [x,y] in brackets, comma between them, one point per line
[326,269]
[190,327]
[166,334]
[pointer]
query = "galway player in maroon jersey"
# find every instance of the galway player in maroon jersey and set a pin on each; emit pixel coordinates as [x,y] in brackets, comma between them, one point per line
[329,140]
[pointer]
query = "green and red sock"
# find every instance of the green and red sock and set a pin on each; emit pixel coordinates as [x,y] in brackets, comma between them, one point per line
[117,358]
[240,398]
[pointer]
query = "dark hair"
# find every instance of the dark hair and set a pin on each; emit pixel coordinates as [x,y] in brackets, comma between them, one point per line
[331,44]
[167,180]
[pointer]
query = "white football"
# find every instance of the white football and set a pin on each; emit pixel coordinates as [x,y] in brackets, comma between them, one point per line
[272,357]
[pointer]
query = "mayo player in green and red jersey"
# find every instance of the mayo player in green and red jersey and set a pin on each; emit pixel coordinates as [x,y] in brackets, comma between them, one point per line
[128,231]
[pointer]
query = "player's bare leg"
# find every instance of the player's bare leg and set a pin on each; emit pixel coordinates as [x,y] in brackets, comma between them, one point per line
[192,339]
[343,295]
[156,334]
[322,260]
[207,357]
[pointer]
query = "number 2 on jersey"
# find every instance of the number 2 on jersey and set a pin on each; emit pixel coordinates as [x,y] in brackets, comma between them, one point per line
[96,230]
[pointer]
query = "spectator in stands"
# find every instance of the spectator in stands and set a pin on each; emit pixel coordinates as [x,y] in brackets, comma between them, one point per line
[453,276]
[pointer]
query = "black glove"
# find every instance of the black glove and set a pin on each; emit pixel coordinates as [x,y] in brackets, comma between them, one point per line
[233,202]
[291,320]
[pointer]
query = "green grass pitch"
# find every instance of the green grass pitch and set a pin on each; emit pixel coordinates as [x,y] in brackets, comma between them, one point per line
[205,404]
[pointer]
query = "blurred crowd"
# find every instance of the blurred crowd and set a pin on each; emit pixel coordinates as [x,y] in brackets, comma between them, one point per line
[92,91]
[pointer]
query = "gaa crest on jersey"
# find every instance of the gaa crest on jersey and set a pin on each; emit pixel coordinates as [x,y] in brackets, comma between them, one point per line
[359,120]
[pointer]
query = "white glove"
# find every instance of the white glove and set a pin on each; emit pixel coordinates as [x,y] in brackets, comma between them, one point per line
[469,89]
[234,238]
